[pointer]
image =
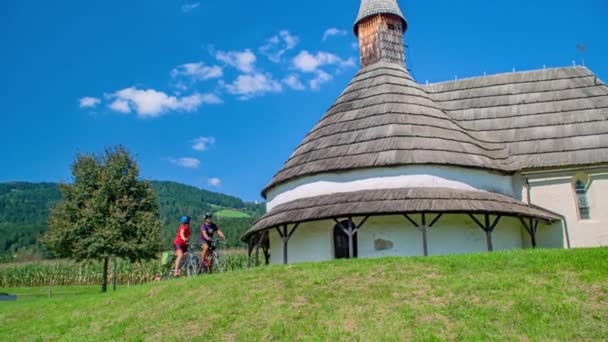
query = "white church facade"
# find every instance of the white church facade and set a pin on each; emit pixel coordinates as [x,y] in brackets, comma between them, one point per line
[395,168]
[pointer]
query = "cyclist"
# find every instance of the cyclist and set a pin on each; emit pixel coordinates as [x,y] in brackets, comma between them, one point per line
[208,229]
[181,242]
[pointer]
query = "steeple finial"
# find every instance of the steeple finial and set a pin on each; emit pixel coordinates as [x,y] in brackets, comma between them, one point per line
[380,26]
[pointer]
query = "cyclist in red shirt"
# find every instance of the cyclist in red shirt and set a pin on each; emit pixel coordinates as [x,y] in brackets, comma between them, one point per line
[181,242]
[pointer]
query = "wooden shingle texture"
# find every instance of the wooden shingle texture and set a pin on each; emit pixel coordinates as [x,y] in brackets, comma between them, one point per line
[504,123]
[396,201]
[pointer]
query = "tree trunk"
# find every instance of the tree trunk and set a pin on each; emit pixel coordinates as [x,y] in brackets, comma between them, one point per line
[114,275]
[104,277]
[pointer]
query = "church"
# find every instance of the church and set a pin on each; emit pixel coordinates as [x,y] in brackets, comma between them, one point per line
[396,168]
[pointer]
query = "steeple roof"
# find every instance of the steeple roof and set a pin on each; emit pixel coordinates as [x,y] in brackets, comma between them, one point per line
[374,7]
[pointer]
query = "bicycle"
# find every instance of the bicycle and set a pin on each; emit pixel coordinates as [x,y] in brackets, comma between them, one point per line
[214,262]
[190,264]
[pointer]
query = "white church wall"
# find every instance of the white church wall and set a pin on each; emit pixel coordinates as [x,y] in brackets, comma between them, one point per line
[508,234]
[393,235]
[551,236]
[456,234]
[312,241]
[553,190]
[389,236]
[414,176]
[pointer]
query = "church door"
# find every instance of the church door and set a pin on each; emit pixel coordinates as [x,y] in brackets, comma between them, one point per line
[341,241]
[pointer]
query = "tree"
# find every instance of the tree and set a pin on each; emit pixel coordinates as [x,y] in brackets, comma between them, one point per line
[106,212]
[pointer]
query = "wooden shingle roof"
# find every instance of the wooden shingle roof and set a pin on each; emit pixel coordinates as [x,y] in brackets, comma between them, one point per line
[505,123]
[396,201]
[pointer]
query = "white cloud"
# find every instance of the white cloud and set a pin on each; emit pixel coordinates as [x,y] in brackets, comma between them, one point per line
[187,8]
[89,102]
[330,32]
[293,81]
[189,163]
[307,62]
[277,45]
[214,182]
[120,106]
[244,61]
[320,78]
[153,103]
[249,86]
[198,71]
[202,143]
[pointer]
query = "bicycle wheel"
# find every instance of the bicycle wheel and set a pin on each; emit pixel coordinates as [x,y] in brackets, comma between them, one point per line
[219,264]
[168,272]
[194,266]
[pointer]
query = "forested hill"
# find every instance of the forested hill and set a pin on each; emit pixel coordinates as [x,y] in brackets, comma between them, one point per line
[24,209]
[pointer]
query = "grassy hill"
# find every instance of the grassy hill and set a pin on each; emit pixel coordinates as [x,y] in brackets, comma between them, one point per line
[24,209]
[514,296]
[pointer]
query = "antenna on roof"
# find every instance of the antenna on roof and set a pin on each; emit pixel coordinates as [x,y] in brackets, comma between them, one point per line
[582,49]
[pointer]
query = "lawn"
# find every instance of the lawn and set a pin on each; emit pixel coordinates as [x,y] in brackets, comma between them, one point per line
[232,214]
[513,296]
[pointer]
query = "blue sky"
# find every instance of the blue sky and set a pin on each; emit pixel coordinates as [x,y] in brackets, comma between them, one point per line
[217,94]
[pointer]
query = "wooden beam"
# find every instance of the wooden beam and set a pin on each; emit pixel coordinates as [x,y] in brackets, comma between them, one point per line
[285,243]
[351,250]
[435,220]
[425,242]
[249,249]
[531,228]
[488,233]
[293,230]
[411,220]
[362,222]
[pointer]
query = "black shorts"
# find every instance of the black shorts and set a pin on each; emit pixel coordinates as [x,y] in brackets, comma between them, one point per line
[183,248]
[206,242]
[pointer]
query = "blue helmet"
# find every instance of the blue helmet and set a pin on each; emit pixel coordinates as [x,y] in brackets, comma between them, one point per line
[185,219]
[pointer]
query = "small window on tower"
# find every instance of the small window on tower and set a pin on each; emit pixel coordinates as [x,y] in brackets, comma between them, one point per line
[581,199]
[392,27]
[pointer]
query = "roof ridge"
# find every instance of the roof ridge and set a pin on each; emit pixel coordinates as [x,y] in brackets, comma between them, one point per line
[510,73]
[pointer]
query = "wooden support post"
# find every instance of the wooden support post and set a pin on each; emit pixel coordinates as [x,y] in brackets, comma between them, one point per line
[423,227]
[351,231]
[266,247]
[249,250]
[285,235]
[532,228]
[488,228]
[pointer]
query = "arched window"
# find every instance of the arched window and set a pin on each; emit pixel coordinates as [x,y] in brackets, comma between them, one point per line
[581,199]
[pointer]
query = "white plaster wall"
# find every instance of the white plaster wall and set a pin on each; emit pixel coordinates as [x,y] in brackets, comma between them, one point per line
[452,234]
[414,176]
[553,190]
[406,239]
[312,241]
[508,234]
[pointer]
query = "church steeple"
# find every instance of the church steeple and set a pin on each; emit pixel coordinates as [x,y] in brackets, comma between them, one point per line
[380,26]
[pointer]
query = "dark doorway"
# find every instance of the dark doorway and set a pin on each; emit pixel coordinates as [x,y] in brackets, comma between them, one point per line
[341,240]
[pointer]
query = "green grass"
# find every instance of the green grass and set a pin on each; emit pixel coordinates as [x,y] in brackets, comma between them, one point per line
[512,296]
[232,214]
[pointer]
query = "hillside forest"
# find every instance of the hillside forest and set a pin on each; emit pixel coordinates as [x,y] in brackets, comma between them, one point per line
[24,210]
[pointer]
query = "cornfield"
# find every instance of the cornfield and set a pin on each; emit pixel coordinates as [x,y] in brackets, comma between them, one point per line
[70,273]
